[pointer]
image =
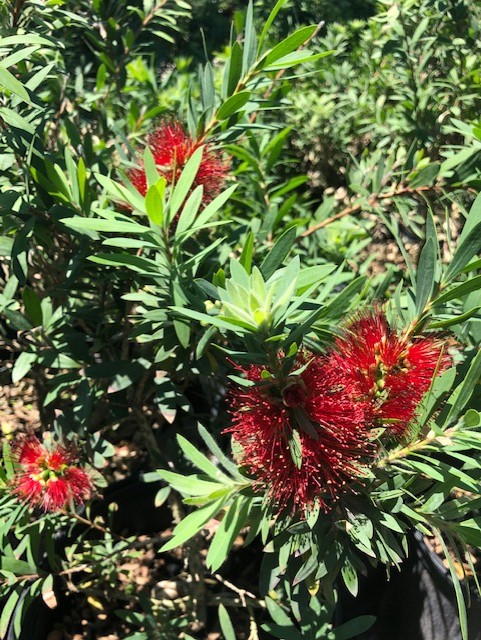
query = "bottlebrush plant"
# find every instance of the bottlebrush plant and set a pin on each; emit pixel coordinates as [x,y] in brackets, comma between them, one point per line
[293,403]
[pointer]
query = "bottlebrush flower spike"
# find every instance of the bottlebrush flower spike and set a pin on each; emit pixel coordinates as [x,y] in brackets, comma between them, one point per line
[392,371]
[171,148]
[49,477]
[304,442]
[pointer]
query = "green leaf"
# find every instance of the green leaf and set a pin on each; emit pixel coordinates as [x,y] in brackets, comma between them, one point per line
[233,104]
[460,290]
[313,275]
[150,167]
[473,218]
[226,624]
[27,39]
[425,176]
[134,263]
[463,618]
[18,567]
[277,613]
[8,608]
[233,521]
[17,121]
[246,256]
[426,271]
[344,299]
[272,16]
[456,319]
[278,252]
[288,45]
[22,365]
[295,58]
[9,81]
[185,183]
[295,447]
[193,523]
[192,485]
[211,209]
[33,308]
[6,244]
[154,201]
[189,213]
[233,70]
[123,373]
[464,391]
[468,247]
[181,326]
[250,40]
[217,321]
[117,191]
[353,627]
[219,454]
[349,575]
[7,459]
[110,226]
[469,530]
[200,460]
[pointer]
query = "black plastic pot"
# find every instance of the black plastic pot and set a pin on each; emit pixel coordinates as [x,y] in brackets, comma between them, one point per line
[417,603]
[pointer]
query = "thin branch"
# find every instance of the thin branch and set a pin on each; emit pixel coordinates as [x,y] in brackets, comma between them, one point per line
[371,201]
[247,604]
[92,525]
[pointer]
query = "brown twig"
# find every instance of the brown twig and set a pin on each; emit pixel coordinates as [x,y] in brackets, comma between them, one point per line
[371,201]
[93,525]
[17,10]
[242,593]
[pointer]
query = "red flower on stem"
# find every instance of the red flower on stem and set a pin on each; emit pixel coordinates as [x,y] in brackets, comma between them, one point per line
[305,440]
[171,148]
[392,371]
[48,477]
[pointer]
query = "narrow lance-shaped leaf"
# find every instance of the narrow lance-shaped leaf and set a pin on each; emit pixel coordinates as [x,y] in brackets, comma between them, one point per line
[463,617]
[154,201]
[233,104]
[233,71]
[219,454]
[460,290]
[226,624]
[250,40]
[278,253]
[272,16]
[200,460]
[184,184]
[464,391]
[233,521]
[193,523]
[425,276]
[9,81]
[288,45]
[468,247]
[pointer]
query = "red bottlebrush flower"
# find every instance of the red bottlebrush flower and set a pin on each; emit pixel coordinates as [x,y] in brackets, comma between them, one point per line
[315,414]
[171,148]
[49,477]
[392,371]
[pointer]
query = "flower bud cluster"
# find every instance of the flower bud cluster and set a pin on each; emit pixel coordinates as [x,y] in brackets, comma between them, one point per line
[49,476]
